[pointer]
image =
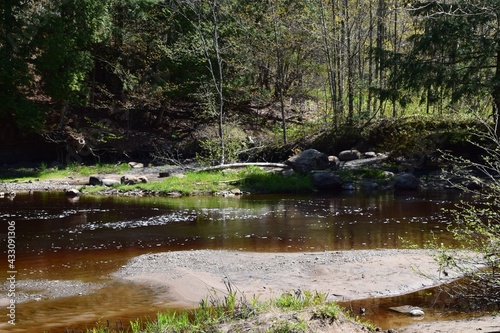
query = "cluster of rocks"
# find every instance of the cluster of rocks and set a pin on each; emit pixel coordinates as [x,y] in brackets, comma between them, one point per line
[326,171]
[126,180]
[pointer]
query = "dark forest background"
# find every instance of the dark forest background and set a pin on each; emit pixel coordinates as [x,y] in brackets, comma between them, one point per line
[113,78]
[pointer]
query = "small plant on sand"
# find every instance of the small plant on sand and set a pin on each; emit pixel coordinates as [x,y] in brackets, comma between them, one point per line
[299,300]
[231,310]
[476,224]
[288,327]
[329,310]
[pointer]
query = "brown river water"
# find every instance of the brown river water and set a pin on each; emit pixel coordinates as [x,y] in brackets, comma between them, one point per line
[65,250]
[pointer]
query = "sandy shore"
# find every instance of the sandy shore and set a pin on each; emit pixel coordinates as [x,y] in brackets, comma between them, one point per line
[188,277]
[191,276]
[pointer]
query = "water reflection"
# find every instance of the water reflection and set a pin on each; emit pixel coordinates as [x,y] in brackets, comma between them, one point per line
[88,239]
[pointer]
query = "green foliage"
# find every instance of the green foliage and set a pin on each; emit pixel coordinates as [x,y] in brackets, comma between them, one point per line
[65,35]
[266,182]
[299,300]
[476,222]
[330,311]
[449,61]
[417,136]
[211,148]
[252,180]
[15,71]
[287,327]
[75,170]
[362,173]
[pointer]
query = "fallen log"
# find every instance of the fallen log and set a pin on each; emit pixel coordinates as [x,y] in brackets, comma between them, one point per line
[244,165]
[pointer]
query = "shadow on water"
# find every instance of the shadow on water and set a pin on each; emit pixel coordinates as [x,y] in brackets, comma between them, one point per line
[86,240]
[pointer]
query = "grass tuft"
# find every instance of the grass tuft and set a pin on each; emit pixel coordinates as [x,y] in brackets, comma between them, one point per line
[234,312]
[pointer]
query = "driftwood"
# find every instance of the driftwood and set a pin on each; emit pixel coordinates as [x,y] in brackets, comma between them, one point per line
[243,165]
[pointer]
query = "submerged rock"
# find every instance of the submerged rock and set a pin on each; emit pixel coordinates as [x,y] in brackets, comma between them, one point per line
[409,310]
[326,181]
[406,181]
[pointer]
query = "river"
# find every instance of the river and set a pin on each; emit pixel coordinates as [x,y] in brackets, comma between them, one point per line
[66,249]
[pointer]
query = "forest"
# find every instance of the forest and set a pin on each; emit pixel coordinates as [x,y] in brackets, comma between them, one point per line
[95,71]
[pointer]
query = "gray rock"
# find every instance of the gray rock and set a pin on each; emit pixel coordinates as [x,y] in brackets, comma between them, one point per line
[349,187]
[308,160]
[326,181]
[368,184]
[72,192]
[406,181]
[408,309]
[334,161]
[388,174]
[136,165]
[370,154]
[94,180]
[132,180]
[349,155]
[287,172]
[110,182]
[417,313]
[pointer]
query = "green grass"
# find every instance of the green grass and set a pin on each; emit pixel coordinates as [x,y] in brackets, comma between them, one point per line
[217,310]
[299,300]
[46,172]
[250,179]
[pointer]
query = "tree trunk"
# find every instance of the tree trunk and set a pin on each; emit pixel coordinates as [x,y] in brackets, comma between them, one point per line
[350,65]
[380,44]
[395,49]
[244,165]
[329,63]
[370,62]
[496,96]
[279,76]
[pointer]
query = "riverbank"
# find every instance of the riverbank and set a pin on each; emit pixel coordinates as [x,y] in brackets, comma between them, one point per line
[344,275]
[189,276]
[177,181]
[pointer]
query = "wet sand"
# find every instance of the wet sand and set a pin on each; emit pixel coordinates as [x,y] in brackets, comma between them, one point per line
[187,277]
[190,276]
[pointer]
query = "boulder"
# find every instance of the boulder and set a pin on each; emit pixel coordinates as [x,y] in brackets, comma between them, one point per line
[406,181]
[132,180]
[109,182]
[369,185]
[72,192]
[308,160]
[370,154]
[326,181]
[334,161]
[94,180]
[349,155]
[135,165]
